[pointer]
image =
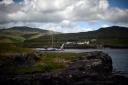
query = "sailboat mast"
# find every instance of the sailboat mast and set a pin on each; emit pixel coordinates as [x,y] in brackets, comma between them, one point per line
[52,41]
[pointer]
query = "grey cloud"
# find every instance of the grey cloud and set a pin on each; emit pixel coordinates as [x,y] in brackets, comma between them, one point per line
[117,15]
[46,11]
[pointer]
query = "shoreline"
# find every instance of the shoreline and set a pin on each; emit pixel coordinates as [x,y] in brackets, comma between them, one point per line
[91,48]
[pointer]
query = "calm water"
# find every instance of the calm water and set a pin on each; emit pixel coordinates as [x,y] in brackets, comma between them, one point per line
[119,58]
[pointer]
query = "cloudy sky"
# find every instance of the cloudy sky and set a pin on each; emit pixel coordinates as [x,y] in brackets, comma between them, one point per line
[64,15]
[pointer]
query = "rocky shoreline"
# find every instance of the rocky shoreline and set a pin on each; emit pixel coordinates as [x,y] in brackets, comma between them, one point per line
[95,68]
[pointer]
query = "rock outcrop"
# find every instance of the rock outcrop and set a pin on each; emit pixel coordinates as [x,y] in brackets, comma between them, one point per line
[92,68]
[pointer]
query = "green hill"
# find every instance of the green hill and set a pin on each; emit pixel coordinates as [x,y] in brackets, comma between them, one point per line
[11,39]
[110,36]
[113,32]
[19,34]
[23,30]
[114,36]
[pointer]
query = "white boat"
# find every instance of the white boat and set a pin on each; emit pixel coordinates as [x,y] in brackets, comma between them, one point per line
[51,48]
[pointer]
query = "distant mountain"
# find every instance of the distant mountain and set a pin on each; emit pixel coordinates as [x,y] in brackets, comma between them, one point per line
[24,29]
[114,35]
[23,33]
[114,32]
[27,29]
[35,37]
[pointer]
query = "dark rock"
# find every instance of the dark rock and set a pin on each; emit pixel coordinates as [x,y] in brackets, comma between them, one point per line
[93,68]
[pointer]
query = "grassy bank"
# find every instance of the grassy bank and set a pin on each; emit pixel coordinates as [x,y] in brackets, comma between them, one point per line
[10,48]
[17,60]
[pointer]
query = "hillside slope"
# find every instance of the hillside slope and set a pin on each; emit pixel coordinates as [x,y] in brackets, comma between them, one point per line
[113,32]
[114,35]
[22,33]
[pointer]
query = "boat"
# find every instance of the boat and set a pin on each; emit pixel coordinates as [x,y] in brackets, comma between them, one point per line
[51,48]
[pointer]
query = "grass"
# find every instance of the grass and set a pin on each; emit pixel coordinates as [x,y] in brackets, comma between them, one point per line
[48,62]
[11,39]
[113,42]
[38,68]
[67,56]
[9,48]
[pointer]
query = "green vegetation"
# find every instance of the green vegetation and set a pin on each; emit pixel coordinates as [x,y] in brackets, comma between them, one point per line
[9,48]
[19,34]
[19,60]
[11,39]
[109,37]
[32,69]
[117,43]
[114,36]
